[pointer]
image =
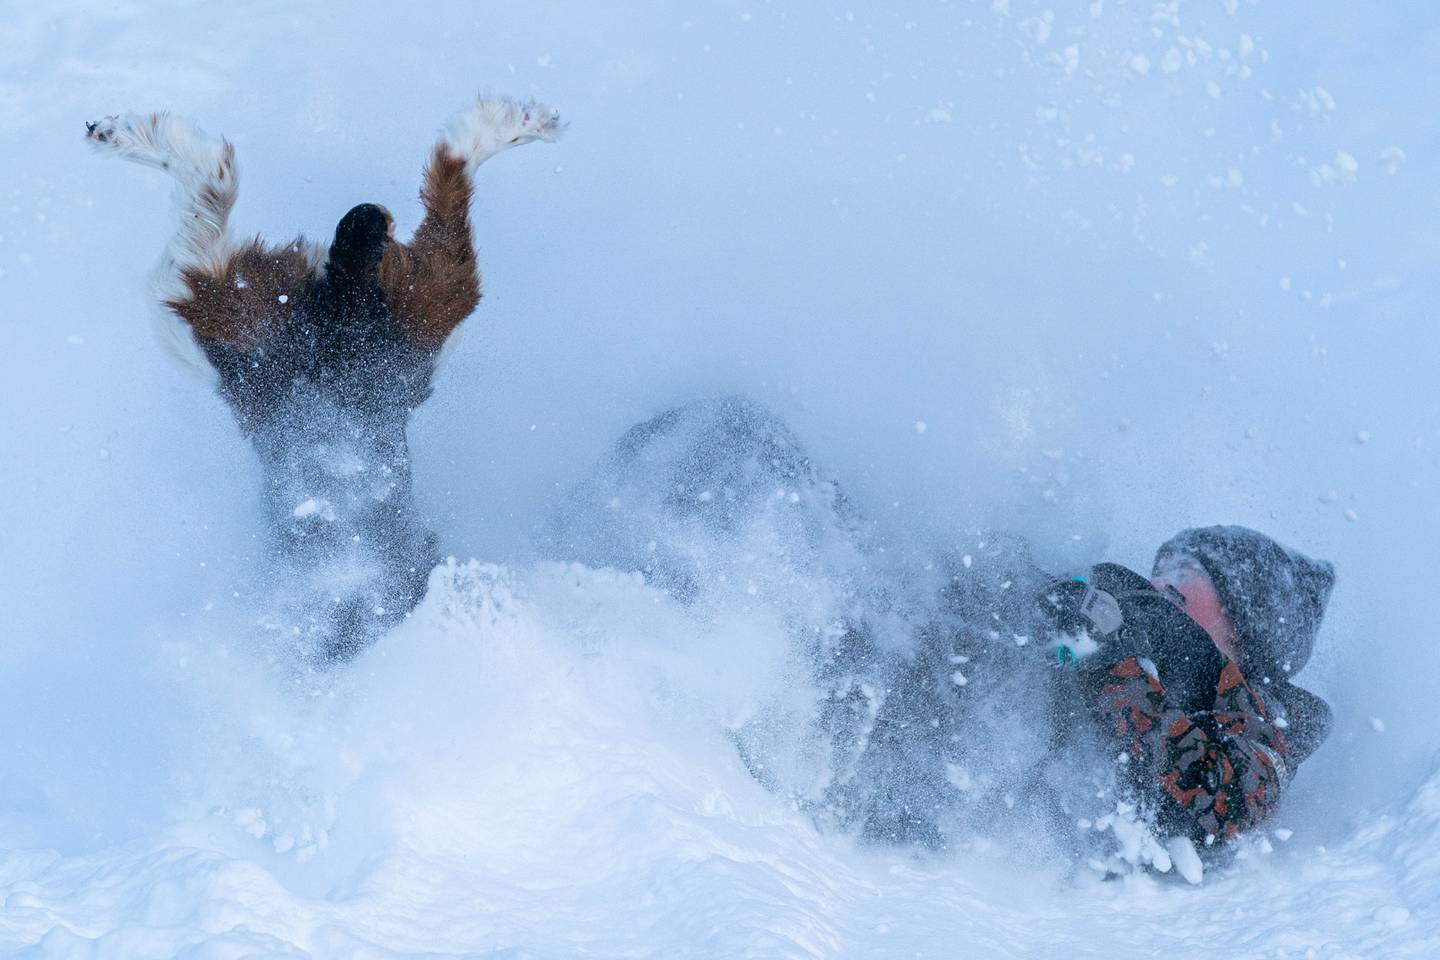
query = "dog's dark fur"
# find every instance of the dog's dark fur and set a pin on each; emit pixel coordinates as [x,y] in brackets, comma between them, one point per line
[323,362]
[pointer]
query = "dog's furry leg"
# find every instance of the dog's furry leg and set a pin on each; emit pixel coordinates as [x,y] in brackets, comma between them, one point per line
[433,284]
[205,177]
[229,292]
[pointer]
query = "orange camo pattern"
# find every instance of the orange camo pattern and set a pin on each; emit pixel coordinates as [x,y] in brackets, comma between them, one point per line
[1215,768]
[1230,678]
[1127,668]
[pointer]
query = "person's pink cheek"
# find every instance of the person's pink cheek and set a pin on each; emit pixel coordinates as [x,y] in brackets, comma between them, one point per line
[1202,604]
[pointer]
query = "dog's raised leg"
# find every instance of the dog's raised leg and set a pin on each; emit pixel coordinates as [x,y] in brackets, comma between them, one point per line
[206,184]
[432,284]
[228,292]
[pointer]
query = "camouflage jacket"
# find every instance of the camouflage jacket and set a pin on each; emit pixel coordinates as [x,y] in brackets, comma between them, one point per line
[1219,771]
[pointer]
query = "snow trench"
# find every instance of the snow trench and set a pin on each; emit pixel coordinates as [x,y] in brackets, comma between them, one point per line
[537,765]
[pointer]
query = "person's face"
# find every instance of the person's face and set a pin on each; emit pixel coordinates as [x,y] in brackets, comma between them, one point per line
[1201,604]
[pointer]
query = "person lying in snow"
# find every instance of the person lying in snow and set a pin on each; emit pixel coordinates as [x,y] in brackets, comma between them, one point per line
[1190,670]
[977,698]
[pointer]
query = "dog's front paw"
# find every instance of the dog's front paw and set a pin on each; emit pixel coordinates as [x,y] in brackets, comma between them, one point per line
[163,141]
[534,121]
[493,124]
[125,133]
[102,131]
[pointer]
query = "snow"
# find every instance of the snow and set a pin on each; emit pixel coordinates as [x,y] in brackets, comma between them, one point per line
[1186,859]
[312,507]
[541,761]
[533,763]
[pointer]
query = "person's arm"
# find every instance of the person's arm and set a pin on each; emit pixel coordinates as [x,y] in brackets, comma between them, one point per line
[1218,771]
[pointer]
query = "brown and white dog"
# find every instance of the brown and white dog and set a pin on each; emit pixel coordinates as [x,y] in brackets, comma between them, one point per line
[323,352]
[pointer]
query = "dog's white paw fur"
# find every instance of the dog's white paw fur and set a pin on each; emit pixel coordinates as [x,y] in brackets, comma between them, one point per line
[493,124]
[164,141]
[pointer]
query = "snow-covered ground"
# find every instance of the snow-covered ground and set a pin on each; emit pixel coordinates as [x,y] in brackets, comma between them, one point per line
[533,767]
[1092,272]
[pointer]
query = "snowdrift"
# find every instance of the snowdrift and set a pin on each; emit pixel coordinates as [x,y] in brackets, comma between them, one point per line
[536,765]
